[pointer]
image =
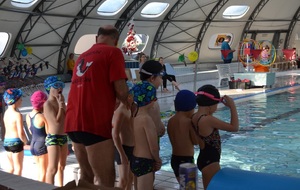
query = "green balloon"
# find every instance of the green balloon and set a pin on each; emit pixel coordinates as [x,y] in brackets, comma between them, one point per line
[20,46]
[181,58]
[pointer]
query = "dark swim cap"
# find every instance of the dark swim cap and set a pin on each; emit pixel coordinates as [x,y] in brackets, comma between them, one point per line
[204,100]
[185,100]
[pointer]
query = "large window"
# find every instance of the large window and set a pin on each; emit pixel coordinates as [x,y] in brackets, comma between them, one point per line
[235,11]
[154,9]
[84,43]
[23,3]
[111,7]
[4,39]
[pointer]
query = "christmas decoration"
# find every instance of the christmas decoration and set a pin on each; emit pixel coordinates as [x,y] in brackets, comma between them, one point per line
[130,44]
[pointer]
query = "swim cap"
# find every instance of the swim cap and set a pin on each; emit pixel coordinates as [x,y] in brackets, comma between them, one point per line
[38,99]
[53,81]
[205,100]
[12,95]
[185,100]
[143,93]
[151,67]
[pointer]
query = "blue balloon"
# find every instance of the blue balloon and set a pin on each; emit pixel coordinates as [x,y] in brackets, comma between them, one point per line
[24,52]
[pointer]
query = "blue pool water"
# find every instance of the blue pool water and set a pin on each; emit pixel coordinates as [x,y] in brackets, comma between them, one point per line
[268,140]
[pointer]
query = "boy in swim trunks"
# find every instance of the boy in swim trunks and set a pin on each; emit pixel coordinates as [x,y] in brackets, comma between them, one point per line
[151,71]
[145,158]
[122,134]
[56,140]
[37,124]
[14,138]
[207,128]
[180,130]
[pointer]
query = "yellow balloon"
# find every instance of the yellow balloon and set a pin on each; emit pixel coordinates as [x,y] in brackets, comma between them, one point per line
[29,50]
[193,56]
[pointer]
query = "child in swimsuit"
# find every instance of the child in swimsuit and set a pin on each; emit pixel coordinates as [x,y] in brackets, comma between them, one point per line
[145,159]
[180,130]
[14,138]
[37,125]
[123,139]
[207,128]
[56,140]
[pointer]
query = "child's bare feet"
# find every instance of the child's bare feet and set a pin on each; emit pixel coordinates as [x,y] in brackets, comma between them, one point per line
[176,85]
[165,90]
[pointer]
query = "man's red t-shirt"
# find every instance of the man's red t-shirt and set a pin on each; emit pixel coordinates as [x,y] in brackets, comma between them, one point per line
[92,97]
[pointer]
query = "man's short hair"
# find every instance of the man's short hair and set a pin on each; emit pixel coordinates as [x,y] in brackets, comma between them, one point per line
[228,37]
[113,32]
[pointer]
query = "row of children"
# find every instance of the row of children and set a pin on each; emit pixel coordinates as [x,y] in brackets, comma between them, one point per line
[136,134]
[45,122]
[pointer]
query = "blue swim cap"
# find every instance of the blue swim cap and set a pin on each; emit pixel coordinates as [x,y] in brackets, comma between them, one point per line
[53,81]
[143,93]
[12,95]
[185,100]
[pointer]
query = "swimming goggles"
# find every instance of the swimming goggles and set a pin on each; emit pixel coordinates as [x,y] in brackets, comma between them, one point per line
[154,74]
[58,85]
[209,96]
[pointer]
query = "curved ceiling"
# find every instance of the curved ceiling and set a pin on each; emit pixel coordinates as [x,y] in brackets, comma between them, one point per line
[52,27]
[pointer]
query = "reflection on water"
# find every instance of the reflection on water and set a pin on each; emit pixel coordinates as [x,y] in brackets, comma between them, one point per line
[268,140]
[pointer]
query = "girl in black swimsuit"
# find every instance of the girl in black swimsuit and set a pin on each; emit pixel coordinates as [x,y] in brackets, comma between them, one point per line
[207,127]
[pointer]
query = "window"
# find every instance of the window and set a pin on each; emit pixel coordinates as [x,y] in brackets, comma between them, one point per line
[84,43]
[235,11]
[111,7]
[4,39]
[154,9]
[23,3]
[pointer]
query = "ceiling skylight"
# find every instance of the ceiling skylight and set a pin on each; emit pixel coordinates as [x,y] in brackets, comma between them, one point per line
[154,9]
[235,11]
[111,7]
[4,39]
[23,3]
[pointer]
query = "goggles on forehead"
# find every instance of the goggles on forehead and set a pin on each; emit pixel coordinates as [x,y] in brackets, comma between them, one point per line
[148,73]
[209,96]
[57,85]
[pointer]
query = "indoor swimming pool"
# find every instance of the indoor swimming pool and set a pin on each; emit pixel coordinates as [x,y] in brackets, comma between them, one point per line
[268,140]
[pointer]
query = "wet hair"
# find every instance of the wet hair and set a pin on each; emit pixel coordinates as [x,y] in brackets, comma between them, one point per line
[113,32]
[203,100]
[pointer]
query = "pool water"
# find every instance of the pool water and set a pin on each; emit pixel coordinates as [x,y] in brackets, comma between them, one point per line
[268,140]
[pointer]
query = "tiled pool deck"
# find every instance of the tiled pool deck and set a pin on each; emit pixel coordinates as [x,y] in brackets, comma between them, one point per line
[164,180]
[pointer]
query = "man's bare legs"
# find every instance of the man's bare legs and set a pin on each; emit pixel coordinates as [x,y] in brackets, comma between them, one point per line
[86,172]
[98,158]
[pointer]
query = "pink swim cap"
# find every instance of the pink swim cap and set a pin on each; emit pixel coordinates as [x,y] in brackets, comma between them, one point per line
[38,99]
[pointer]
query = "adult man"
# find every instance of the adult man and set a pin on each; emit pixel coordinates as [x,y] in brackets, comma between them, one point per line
[98,79]
[228,51]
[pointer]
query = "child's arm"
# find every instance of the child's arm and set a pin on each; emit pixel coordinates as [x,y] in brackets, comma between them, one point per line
[19,123]
[28,123]
[193,135]
[61,114]
[118,118]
